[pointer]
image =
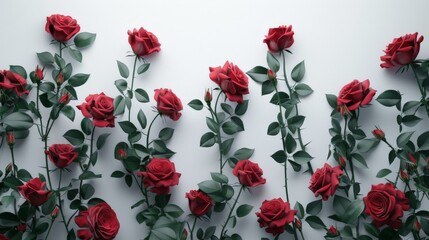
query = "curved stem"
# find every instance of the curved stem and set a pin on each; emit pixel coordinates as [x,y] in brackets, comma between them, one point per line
[193,227]
[45,140]
[422,91]
[60,201]
[302,235]
[144,192]
[222,232]
[150,128]
[49,229]
[213,113]
[89,162]
[132,85]
[38,110]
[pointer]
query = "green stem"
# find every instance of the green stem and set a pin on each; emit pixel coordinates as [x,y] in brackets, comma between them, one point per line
[132,85]
[213,113]
[302,235]
[60,202]
[193,227]
[150,128]
[144,192]
[422,91]
[12,155]
[49,229]
[38,110]
[223,232]
[89,162]
[45,140]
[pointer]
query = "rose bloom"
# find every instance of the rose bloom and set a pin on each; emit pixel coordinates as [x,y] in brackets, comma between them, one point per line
[143,42]
[325,181]
[98,222]
[100,108]
[275,215]
[199,202]
[249,174]
[160,175]
[14,82]
[62,155]
[233,82]
[354,95]
[168,103]
[279,38]
[401,51]
[61,27]
[34,193]
[386,205]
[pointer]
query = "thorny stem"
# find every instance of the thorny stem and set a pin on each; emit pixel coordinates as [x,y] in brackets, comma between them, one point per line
[223,232]
[60,202]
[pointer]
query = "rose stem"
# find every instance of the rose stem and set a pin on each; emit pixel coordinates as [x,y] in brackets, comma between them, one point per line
[148,130]
[132,85]
[219,140]
[193,227]
[222,232]
[422,90]
[59,201]
[12,155]
[89,162]
[310,167]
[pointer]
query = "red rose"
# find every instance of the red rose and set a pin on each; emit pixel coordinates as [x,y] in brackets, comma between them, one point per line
[168,103]
[199,202]
[160,175]
[13,81]
[3,237]
[354,95]
[249,174]
[61,27]
[231,80]
[386,205]
[99,222]
[279,38]
[275,215]
[143,42]
[325,181]
[100,108]
[401,51]
[62,155]
[34,193]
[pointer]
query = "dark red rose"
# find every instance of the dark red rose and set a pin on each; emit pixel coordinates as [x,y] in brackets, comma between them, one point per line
[160,175]
[249,174]
[386,205]
[199,202]
[62,155]
[14,82]
[61,27]
[3,237]
[325,181]
[100,108]
[143,42]
[34,192]
[279,38]
[98,222]
[233,82]
[401,51]
[275,215]
[354,95]
[168,103]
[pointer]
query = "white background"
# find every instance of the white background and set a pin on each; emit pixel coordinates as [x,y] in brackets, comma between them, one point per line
[339,41]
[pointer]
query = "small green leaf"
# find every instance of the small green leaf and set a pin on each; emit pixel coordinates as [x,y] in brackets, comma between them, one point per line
[272,62]
[117,174]
[143,68]
[410,120]
[8,219]
[423,141]
[273,129]
[243,210]
[89,175]
[367,144]
[84,39]
[173,210]
[383,172]
[268,87]
[303,89]
[78,79]
[74,136]
[69,112]
[18,121]
[279,156]
[87,191]
[102,140]
[389,98]
[258,74]
[403,139]
[196,104]
[315,222]
[218,177]
[127,126]
[302,157]
[123,69]
[298,72]
[314,208]
[18,70]
[75,54]
[353,211]
[45,58]
[279,98]
[141,95]
[209,186]
[141,117]
[166,133]
[244,153]
[300,210]
[241,108]
[119,105]
[208,139]
[332,100]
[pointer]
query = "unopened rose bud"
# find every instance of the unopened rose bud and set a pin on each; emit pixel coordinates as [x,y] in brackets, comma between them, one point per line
[54,213]
[342,162]
[10,139]
[413,165]
[298,224]
[38,74]
[60,79]
[271,75]
[22,227]
[404,176]
[333,231]
[185,233]
[208,97]
[8,168]
[416,226]
[379,134]
[122,154]
[64,99]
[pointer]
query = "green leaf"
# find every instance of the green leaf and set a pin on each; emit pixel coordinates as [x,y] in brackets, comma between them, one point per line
[243,153]
[131,163]
[74,136]
[87,191]
[314,207]
[403,139]
[218,177]
[210,231]
[89,175]
[353,211]
[410,120]
[211,124]
[143,68]
[75,54]
[300,210]
[389,98]
[243,210]
[273,129]
[45,58]
[84,39]
[117,174]
[367,144]
[290,143]
[267,87]
[279,98]
[302,157]
[141,95]
[102,140]
[127,126]
[24,175]
[163,233]
[231,127]
[272,62]
[226,145]
[196,104]
[173,210]
[141,117]
[359,161]
[410,107]
[315,222]
[17,121]
[166,133]
[119,105]
[295,122]
[78,79]
[303,89]
[123,69]
[423,141]
[227,108]
[69,112]
[279,156]
[18,70]
[49,206]
[258,74]
[209,186]
[371,229]
[383,172]
[241,108]
[298,72]
[8,219]
[86,126]
[332,100]
[208,139]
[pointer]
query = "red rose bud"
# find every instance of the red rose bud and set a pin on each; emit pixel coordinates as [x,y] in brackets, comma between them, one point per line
[21,227]
[342,162]
[38,74]
[122,154]
[413,165]
[298,224]
[54,212]
[60,79]
[379,134]
[271,75]
[404,176]
[416,226]
[64,99]
[10,139]
[333,231]
[208,97]
[8,168]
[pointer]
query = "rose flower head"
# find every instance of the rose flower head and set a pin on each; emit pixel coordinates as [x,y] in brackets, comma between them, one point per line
[401,51]
[167,103]
[100,108]
[14,82]
[62,155]
[249,174]
[275,214]
[279,38]
[143,42]
[34,192]
[354,95]
[61,27]
[160,175]
[325,181]
[199,202]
